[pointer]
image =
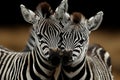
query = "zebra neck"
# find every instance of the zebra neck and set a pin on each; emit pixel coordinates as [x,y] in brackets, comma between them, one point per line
[37,53]
[81,71]
[39,68]
[73,71]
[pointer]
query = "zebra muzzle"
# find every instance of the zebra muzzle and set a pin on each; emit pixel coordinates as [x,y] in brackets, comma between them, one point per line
[67,57]
[55,58]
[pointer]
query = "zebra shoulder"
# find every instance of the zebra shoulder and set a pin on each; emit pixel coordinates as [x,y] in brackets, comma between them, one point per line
[98,51]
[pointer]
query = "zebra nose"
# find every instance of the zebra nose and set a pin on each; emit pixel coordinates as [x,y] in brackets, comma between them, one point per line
[54,57]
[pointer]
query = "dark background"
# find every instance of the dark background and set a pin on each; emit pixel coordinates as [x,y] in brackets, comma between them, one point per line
[10,11]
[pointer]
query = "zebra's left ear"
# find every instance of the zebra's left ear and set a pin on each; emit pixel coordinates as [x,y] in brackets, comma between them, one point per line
[94,22]
[28,14]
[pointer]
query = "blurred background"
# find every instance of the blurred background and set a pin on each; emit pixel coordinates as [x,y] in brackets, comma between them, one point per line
[14,31]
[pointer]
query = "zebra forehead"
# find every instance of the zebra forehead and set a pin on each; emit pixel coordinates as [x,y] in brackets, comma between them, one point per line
[47,25]
[76,28]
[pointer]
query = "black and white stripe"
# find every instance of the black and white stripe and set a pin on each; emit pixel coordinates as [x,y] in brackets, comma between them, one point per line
[25,66]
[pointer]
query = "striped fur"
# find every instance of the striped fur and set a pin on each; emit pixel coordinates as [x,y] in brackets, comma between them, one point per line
[35,64]
[25,66]
[87,63]
[58,44]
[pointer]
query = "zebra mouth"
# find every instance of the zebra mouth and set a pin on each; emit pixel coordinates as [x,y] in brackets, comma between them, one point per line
[67,57]
[57,56]
[54,57]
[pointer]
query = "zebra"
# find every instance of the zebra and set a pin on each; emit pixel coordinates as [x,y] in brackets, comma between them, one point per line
[93,24]
[85,62]
[60,15]
[40,62]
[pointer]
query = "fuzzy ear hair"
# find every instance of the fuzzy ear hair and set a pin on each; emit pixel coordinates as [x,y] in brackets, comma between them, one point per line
[28,14]
[94,22]
[62,9]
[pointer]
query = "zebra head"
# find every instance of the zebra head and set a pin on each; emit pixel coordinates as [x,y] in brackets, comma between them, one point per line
[76,35]
[45,31]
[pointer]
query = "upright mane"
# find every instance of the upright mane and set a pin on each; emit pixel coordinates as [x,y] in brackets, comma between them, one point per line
[45,9]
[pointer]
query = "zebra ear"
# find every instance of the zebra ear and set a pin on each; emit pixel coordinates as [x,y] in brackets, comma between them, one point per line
[28,14]
[95,21]
[62,9]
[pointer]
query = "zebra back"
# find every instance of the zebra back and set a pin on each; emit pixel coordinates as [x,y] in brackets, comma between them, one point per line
[100,62]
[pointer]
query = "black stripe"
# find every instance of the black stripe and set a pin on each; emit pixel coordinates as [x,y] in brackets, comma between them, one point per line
[9,64]
[39,70]
[25,68]
[6,62]
[44,47]
[21,65]
[77,77]
[102,53]
[80,74]
[43,64]
[109,62]
[3,55]
[32,74]
[76,50]
[88,73]
[12,68]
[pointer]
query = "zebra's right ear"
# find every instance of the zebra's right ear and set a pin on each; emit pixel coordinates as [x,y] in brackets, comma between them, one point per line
[28,14]
[95,21]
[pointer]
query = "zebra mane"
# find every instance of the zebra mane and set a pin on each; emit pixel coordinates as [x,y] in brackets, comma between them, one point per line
[77,17]
[44,8]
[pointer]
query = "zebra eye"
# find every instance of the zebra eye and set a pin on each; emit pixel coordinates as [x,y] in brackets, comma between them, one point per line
[82,41]
[39,35]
